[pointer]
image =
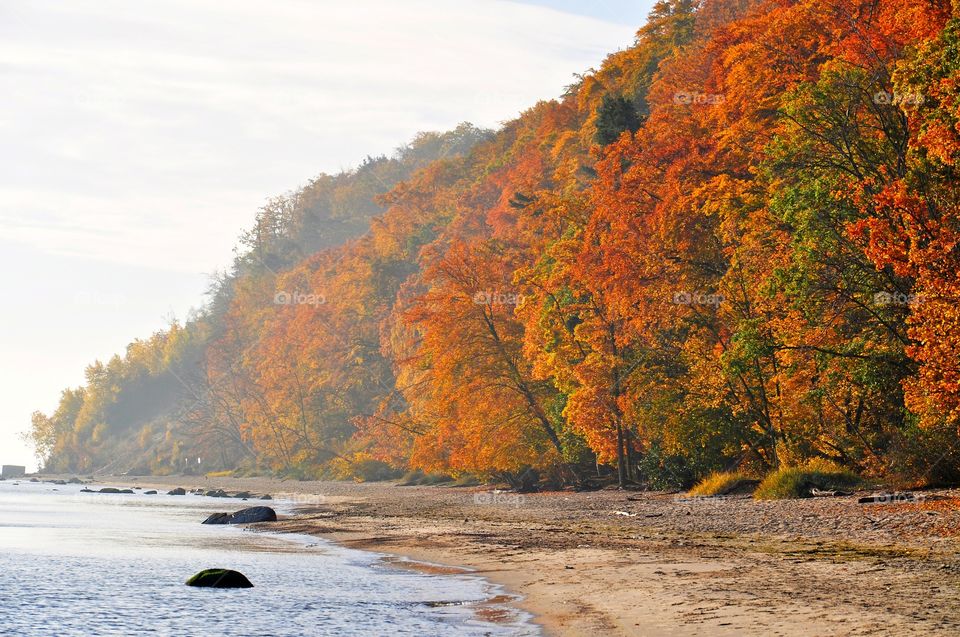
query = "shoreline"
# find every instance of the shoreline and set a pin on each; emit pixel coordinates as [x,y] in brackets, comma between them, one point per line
[654,564]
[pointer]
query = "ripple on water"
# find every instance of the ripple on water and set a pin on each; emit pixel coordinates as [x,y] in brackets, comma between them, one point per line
[97,566]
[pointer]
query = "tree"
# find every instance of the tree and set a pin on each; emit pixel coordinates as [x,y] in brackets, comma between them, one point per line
[615,115]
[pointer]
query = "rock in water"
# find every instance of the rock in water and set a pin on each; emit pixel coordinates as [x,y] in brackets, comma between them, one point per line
[177,491]
[219,578]
[244,516]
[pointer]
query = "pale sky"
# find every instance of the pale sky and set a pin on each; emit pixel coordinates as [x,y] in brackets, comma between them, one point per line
[139,139]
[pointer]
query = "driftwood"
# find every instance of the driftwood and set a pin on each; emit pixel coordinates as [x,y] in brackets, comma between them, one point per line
[821,493]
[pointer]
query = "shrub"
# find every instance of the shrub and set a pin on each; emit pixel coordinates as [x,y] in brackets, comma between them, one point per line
[796,482]
[723,483]
[467,480]
[419,478]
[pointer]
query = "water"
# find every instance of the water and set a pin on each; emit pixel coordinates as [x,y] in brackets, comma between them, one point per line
[86,564]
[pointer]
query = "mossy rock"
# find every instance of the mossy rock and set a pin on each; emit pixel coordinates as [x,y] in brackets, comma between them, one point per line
[219,578]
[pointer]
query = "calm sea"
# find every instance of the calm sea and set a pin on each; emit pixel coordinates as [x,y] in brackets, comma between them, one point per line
[84,564]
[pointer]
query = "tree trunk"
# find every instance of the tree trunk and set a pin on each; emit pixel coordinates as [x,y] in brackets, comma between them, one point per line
[621,460]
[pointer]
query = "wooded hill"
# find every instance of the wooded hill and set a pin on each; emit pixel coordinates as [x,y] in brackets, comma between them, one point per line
[735,245]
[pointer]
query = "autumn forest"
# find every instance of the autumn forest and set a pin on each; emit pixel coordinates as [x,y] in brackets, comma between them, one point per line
[734,246]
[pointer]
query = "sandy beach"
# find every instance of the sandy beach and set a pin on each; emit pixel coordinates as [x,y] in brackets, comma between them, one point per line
[632,563]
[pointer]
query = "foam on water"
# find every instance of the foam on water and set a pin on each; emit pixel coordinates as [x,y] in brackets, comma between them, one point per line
[89,564]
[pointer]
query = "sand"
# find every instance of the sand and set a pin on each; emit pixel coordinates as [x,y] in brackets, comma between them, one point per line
[627,563]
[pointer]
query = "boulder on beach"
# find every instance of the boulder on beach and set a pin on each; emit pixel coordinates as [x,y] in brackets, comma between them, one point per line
[243,495]
[266,497]
[150,492]
[114,490]
[219,578]
[217,493]
[244,516]
[177,491]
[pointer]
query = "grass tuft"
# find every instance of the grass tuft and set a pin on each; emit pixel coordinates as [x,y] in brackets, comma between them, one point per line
[796,482]
[724,483]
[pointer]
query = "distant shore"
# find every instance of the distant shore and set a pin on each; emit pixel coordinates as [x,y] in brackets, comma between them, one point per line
[629,563]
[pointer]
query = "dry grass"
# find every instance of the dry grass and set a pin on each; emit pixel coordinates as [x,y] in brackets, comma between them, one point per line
[796,482]
[723,483]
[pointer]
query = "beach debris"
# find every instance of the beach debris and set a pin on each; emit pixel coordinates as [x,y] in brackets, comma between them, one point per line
[219,578]
[243,516]
[177,491]
[824,493]
[625,514]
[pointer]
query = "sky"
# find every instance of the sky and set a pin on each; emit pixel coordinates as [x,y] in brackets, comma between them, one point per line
[140,138]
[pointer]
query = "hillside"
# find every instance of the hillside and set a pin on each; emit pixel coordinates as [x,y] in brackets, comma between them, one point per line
[735,245]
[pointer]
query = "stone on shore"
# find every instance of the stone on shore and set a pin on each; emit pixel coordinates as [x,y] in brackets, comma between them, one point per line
[244,516]
[177,491]
[219,578]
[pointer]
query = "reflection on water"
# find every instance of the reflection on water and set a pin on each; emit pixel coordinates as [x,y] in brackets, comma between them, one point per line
[88,564]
